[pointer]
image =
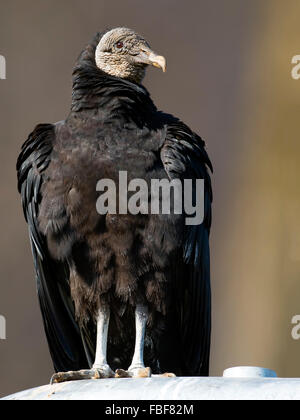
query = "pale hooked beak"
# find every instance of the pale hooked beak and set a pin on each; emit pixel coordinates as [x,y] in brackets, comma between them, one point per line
[158,61]
[147,56]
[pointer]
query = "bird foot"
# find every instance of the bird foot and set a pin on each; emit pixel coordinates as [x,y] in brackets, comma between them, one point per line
[134,372]
[105,370]
[95,373]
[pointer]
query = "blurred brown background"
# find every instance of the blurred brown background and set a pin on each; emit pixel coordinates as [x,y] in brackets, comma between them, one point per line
[229,78]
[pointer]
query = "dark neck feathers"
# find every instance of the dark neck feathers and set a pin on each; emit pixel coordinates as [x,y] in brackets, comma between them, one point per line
[95,90]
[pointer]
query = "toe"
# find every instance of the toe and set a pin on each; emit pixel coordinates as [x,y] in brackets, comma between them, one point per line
[142,373]
[165,375]
[121,373]
[133,373]
[80,375]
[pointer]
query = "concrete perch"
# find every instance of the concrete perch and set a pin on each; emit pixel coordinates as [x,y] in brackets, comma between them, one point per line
[189,388]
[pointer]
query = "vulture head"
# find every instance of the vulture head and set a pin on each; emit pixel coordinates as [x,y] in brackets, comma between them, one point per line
[123,53]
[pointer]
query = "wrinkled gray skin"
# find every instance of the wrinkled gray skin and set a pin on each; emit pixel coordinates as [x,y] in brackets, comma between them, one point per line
[125,54]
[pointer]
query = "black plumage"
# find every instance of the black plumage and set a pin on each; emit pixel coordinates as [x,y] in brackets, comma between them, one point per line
[83,260]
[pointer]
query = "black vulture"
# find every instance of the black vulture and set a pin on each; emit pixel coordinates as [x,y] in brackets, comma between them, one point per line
[117,292]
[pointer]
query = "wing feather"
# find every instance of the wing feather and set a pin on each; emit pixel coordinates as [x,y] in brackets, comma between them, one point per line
[65,339]
[184,157]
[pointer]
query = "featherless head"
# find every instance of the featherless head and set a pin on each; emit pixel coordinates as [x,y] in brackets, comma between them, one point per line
[123,53]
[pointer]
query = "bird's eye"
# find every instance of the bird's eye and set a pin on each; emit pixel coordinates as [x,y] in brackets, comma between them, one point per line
[119,45]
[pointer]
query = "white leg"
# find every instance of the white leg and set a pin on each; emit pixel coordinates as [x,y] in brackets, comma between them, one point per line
[101,348]
[100,369]
[141,317]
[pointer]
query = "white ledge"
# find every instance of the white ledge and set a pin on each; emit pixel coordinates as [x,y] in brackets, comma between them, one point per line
[191,388]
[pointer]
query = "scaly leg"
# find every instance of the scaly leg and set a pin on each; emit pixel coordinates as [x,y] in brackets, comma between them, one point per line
[101,348]
[100,369]
[137,367]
